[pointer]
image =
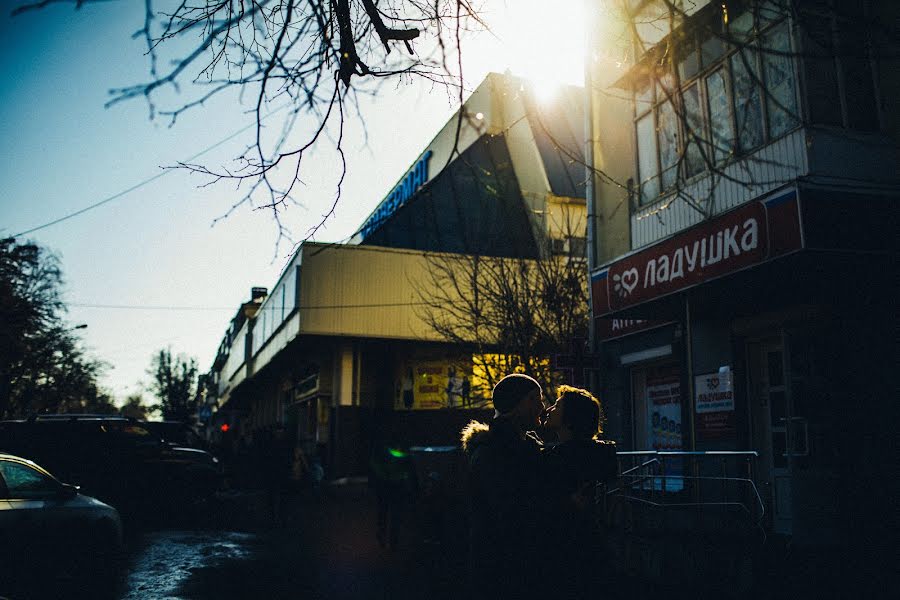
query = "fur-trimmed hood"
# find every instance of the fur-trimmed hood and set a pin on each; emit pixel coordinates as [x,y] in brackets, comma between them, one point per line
[473,435]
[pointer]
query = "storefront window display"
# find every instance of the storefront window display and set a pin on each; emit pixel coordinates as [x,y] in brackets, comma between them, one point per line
[657,398]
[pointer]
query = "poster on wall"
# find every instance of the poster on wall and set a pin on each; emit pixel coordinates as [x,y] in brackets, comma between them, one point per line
[433,385]
[714,405]
[664,412]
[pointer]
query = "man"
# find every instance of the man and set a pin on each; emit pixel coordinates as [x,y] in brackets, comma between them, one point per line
[505,480]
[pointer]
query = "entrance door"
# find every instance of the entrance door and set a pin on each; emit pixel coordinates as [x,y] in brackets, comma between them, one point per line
[775,426]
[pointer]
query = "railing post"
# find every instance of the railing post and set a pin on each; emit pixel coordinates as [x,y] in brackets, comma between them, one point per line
[662,463]
[724,480]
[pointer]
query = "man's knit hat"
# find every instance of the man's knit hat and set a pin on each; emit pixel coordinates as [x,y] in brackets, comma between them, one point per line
[510,390]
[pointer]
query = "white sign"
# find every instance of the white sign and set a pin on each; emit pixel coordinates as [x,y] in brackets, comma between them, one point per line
[714,392]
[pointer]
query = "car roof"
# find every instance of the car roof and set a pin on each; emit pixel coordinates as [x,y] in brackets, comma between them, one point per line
[77,417]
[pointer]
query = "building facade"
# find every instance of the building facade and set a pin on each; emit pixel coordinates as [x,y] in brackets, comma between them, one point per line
[346,339]
[744,255]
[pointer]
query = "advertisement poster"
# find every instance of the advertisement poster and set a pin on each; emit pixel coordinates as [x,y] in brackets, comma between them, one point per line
[714,405]
[664,411]
[434,384]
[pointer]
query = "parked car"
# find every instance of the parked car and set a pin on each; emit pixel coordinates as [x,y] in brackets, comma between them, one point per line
[176,433]
[48,529]
[115,459]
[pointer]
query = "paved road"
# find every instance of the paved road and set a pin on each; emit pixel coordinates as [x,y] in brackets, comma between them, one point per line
[326,549]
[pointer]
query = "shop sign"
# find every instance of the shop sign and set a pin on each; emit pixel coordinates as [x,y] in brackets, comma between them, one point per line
[610,329]
[415,178]
[746,236]
[714,405]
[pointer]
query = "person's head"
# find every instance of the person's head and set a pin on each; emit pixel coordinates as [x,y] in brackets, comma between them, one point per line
[575,414]
[520,398]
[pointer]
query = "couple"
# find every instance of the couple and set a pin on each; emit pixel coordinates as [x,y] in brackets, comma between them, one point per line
[531,529]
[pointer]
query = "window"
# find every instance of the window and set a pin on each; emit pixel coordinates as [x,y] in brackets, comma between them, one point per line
[694,161]
[839,65]
[571,246]
[24,482]
[648,169]
[737,92]
[781,101]
[747,102]
[719,116]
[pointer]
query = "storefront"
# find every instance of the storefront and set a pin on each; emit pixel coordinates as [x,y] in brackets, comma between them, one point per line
[763,329]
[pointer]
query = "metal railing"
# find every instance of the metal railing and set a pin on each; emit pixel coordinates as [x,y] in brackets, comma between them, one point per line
[688,487]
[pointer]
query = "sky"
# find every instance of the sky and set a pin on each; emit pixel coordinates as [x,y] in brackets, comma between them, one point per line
[153,267]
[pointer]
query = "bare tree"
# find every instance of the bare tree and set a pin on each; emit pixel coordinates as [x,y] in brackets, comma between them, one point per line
[513,314]
[308,59]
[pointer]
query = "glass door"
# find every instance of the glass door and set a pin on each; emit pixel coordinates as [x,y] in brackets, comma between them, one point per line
[776,428]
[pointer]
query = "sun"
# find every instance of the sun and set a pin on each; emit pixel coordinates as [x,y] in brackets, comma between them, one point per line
[542,41]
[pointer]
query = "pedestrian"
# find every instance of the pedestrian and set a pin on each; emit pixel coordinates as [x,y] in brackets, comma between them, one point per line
[574,467]
[504,460]
[393,478]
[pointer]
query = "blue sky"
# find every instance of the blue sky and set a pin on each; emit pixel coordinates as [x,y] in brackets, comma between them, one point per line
[61,150]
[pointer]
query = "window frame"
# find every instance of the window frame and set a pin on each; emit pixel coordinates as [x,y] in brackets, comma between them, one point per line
[760,31]
[838,64]
[9,493]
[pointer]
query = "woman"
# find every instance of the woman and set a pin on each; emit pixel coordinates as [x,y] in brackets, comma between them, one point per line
[574,467]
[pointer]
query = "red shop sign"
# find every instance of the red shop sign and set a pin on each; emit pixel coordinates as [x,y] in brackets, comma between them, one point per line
[751,234]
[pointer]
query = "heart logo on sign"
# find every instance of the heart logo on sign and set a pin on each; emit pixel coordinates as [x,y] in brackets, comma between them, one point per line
[630,280]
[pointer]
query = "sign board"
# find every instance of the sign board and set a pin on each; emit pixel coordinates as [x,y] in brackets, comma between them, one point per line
[609,329]
[714,405]
[746,236]
[415,178]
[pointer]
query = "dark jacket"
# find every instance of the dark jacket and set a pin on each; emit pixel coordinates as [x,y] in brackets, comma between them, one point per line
[575,464]
[573,469]
[505,485]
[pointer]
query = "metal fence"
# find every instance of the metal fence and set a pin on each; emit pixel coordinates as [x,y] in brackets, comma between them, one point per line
[686,489]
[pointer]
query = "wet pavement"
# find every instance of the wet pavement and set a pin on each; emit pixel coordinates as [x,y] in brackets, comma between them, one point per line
[160,563]
[323,546]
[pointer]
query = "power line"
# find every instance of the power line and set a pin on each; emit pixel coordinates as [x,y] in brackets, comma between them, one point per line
[149,180]
[212,308]
[147,306]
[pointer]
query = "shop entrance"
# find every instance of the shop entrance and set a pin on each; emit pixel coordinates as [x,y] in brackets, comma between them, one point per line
[794,414]
[778,429]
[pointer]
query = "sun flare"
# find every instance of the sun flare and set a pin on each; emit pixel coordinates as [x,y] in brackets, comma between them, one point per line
[543,42]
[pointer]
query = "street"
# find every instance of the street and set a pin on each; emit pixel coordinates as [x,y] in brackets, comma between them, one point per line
[326,549]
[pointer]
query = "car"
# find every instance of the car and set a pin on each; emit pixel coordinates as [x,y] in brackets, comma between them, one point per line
[49,530]
[115,459]
[176,433]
